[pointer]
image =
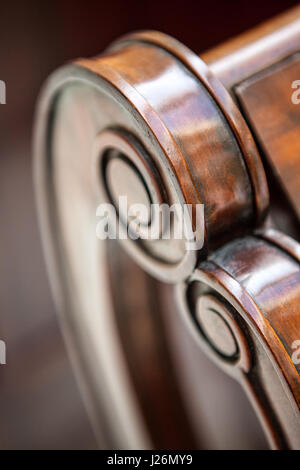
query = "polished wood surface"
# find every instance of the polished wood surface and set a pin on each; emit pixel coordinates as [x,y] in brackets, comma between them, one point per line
[197,138]
[255,50]
[275,119]
[259,279]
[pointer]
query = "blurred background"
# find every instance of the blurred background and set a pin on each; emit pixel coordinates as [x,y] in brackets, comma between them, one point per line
[40,405]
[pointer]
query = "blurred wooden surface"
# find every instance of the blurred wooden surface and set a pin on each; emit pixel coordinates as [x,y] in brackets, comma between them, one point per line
[40,406]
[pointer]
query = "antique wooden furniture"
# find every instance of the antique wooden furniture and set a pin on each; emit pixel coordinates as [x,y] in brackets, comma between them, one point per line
[151,120]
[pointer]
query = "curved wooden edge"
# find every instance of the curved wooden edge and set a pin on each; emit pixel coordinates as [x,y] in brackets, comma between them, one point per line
[247,54]
[89,71]
[286,243]
[226,104]
[271,324]
[153,414]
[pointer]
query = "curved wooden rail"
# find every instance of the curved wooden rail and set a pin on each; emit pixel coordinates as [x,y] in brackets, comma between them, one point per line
[150,120]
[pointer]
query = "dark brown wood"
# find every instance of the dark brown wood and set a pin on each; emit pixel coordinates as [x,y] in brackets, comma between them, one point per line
[267,102]
[259,279]
[139,315]
[255,50]
[191,133]
[195,151]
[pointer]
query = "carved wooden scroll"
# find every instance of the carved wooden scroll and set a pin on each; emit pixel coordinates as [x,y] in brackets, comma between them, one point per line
[150,120]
